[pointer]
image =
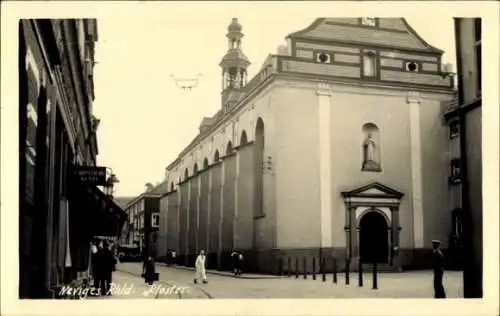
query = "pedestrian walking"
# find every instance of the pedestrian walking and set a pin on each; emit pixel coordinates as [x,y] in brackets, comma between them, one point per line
[438,267]
[237,263]
[201,273]
[108,266]
[174,257]
[149,271]
[98,271]
[93,261]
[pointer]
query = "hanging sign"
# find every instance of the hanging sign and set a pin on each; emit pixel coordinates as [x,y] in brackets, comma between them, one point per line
[91,175]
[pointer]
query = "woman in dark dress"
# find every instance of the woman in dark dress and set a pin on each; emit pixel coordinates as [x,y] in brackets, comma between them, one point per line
[149,271]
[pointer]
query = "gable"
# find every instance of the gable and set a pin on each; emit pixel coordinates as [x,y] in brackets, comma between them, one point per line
[388,32]
[374,190]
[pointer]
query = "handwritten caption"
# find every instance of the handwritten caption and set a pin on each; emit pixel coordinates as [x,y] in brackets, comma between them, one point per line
[147,291]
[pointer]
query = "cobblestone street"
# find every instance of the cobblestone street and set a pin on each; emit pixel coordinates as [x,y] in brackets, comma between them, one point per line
[415,284]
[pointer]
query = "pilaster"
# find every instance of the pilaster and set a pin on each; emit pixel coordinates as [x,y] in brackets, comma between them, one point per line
[221,214]
[198,198]
[324,95]
[209,208]
[414,101]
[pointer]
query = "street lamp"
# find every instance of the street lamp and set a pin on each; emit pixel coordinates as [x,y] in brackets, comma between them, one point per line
[110,183]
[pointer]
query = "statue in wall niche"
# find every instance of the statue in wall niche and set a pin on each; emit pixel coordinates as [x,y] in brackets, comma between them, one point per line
[369,152]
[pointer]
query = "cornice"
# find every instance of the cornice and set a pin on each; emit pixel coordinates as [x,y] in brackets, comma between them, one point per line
[257,92]
[352,86]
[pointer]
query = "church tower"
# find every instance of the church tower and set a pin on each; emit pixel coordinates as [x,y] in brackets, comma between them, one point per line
[234,65]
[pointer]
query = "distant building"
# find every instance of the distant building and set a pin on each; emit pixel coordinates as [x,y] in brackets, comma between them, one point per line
[144,220]
[465,128]
[59,213]
[334,148]
[123,201]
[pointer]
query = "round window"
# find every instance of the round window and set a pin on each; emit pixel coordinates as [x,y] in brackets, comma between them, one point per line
[323,57]
[412,66]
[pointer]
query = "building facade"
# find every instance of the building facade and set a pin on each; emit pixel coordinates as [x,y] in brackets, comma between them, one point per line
[465,128]
[144,221]
[58,212]
[333,149]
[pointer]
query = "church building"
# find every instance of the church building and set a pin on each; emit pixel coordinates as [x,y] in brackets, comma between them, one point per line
[335,148]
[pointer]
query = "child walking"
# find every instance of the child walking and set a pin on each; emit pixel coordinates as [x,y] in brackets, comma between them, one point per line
[201,273]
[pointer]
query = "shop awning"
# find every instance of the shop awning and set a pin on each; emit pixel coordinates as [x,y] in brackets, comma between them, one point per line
[103,216]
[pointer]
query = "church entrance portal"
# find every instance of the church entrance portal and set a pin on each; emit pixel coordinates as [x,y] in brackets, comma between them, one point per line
[373,243]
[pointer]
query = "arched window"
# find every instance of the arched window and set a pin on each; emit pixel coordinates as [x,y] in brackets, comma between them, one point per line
[216,155]
[229,148]
[205,163]
[371,148]
[243,139]
[195,169]
[186,174]
[259,168]
[171,186]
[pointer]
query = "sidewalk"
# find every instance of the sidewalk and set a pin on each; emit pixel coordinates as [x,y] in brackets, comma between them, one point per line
[224,273]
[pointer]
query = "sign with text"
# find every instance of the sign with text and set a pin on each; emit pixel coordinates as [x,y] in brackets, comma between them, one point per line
[91,175]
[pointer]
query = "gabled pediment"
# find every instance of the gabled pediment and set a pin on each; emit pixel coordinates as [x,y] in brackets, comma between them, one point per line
[374,190]
[390,32]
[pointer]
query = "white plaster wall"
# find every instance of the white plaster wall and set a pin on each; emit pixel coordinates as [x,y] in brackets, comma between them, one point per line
[352,107]
[297,165]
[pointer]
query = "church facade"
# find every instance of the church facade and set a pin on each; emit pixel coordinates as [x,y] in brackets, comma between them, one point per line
[335,148]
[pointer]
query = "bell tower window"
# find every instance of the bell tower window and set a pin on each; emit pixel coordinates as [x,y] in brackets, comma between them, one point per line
[234,64]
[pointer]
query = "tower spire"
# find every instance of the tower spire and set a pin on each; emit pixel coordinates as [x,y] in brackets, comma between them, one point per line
[234,64]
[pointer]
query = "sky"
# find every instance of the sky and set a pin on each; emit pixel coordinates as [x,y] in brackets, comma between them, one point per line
[146,120]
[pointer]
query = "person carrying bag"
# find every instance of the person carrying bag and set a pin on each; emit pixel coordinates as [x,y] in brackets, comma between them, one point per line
[149,272]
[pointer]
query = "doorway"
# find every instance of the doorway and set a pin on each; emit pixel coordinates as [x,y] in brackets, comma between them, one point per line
[373,238]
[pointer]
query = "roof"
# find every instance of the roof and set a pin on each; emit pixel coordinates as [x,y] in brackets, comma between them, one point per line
[161,188]
[236,57]
[390,32]
[122,201]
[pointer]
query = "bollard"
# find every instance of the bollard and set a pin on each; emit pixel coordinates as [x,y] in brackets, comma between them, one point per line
[323,269]
[360,272]
[375,285]
[296,268]
[314,269]
[305,267]
[334,270]
[289,266]
[347,271]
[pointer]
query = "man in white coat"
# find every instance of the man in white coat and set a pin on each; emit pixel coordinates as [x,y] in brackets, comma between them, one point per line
[200,268]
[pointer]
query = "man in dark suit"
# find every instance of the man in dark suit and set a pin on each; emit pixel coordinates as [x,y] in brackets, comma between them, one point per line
[438,267]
